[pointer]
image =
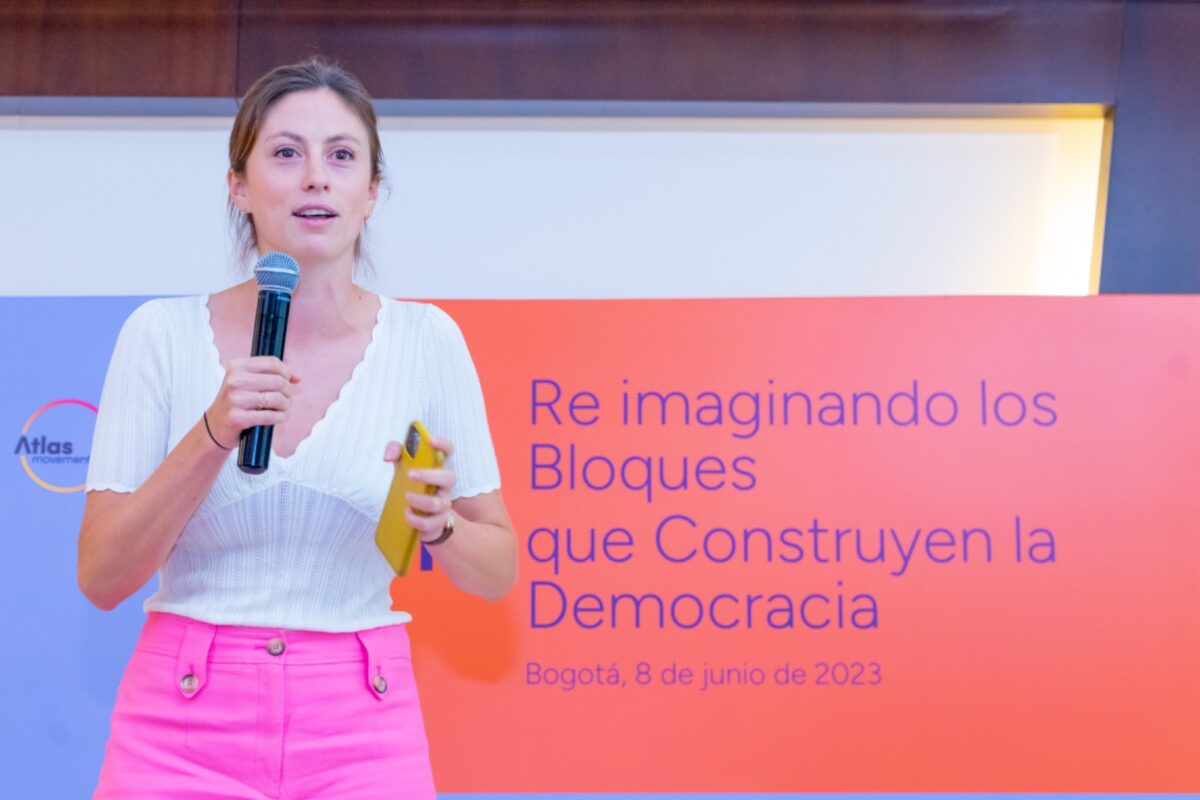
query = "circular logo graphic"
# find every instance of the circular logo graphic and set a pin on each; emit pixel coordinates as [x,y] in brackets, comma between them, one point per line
[52,447]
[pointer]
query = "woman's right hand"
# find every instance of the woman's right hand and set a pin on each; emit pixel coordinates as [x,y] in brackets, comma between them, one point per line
[255,391]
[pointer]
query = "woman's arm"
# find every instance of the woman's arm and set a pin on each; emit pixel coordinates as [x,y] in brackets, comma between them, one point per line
[481,556]
[126,537]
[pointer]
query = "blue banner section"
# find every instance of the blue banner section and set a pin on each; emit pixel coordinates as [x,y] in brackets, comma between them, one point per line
[64,657]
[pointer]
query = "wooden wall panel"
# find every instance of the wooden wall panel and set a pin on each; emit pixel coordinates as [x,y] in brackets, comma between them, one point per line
[752,50]
[1152,240]
[79,48]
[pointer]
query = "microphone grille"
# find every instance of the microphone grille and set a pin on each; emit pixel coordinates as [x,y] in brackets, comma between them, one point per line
[277,271]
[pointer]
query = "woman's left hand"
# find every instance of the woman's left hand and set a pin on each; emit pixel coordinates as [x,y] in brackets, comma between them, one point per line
[436,507]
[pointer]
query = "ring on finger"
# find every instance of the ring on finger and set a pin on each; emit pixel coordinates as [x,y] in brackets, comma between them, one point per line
[262,400]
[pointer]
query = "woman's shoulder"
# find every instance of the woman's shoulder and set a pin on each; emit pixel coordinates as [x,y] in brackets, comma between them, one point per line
[157,327]
[415,316]
[161,313]
[171,306]
[161,323]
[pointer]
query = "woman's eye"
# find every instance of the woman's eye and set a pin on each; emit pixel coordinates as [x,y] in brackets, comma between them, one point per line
[286,152]
[343,155]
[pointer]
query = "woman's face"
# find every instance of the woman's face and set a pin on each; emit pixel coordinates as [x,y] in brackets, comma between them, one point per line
[308,179]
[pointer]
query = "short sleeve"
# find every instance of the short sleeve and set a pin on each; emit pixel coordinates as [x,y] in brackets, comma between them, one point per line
[456,409]
[133,420]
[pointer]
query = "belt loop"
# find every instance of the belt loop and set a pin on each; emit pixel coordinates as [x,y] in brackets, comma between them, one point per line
[375,651]
[191,665]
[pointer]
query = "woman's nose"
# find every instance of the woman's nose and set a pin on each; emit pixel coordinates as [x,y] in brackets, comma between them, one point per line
[316,174]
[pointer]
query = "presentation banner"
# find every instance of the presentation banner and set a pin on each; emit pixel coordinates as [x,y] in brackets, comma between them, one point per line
[809,545]
[892,545]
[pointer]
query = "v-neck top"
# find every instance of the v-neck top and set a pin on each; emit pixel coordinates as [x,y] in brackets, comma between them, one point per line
[293,547]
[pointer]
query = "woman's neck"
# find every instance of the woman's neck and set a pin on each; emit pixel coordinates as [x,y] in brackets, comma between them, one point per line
[325,306]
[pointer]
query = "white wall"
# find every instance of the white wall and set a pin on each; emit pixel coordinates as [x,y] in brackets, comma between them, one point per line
[536,207]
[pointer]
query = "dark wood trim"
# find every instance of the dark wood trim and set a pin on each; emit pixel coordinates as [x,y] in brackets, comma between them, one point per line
[962,51]
[1152,237]
[88,48]
[899,51]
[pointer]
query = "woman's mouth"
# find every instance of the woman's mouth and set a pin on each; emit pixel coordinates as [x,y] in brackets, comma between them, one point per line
[314,213]
[315,216]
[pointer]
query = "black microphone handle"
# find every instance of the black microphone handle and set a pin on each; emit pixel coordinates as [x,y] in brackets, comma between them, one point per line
[270,330]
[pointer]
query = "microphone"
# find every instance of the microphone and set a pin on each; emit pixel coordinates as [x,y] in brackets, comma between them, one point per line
[277,275]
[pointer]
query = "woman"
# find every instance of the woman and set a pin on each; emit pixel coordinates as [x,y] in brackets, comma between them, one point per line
[271,663]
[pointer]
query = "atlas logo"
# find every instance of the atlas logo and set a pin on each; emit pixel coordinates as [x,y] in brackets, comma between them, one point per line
[43,446]
[49,446]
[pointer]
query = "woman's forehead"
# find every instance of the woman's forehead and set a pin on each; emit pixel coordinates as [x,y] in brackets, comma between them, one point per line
[316,115]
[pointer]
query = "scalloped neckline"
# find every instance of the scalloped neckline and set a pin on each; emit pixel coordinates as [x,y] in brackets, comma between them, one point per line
[320,422]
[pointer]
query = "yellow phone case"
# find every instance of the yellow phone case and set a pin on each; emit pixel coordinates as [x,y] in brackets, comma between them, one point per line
[394,537]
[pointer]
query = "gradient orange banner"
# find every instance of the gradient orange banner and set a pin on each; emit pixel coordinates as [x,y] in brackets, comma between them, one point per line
[904,544]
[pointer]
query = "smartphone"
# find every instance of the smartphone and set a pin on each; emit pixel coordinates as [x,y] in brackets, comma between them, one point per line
[394,537]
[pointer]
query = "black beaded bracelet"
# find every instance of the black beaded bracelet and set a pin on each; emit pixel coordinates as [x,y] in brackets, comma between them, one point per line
[210,434]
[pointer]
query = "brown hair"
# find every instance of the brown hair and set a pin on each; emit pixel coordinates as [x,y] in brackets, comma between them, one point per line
[314,73]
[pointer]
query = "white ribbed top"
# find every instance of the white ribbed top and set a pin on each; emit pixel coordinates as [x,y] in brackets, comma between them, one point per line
[295,546]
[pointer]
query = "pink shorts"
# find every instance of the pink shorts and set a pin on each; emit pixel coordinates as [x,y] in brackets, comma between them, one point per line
[225,711]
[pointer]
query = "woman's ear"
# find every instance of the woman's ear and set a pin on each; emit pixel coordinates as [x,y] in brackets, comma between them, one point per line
[372,196]
[237,191]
